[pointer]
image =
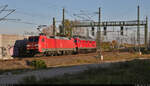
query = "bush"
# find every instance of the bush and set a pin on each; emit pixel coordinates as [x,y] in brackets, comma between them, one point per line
[38,64]
[106,46]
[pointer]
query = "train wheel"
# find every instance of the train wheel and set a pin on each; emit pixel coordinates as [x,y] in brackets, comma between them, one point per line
[70,52]
[49,53]
[62,53]
[32,54]
[67,52]
[55,54]
[44,54]
[52,54]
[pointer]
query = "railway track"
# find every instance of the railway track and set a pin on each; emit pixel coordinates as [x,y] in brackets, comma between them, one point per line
[46,57]
[64,60]
[21,62]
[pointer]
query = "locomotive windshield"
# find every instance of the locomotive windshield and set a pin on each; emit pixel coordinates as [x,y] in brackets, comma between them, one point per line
[34,39]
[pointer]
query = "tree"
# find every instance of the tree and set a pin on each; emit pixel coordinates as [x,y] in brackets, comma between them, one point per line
[68,27]
[114,43]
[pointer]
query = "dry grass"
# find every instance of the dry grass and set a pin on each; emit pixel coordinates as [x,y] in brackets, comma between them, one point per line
[78,59]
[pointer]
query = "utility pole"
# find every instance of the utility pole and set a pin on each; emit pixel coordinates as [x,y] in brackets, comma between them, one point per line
[146,32]
[149,40]
[54,26]
[138,28]
[98,41]
[63,22]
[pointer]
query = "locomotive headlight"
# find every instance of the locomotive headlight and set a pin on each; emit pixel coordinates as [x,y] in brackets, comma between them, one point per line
[28,45]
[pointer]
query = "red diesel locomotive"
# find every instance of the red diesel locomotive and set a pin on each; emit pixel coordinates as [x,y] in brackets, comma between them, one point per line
[58,45]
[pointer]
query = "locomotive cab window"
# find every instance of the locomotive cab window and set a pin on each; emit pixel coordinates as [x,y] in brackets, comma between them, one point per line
[33,39]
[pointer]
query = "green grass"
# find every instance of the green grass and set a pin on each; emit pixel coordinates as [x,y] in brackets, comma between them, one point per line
[38,64]
[130,72]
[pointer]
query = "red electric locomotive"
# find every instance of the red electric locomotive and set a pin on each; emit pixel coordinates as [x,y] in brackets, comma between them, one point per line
[84,45]
[50,45]
[58,45]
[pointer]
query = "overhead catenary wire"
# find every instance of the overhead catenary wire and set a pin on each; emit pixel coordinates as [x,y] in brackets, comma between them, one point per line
[7,15]
[4,7]
[24,22]
[31,14]
[86,16]
[10,11]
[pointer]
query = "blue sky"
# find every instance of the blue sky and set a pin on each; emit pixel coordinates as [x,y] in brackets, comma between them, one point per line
[42,11]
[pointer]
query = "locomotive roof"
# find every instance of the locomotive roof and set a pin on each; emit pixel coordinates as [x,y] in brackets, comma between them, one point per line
[87,39]
[33,36]
[84,38]
[58,37]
